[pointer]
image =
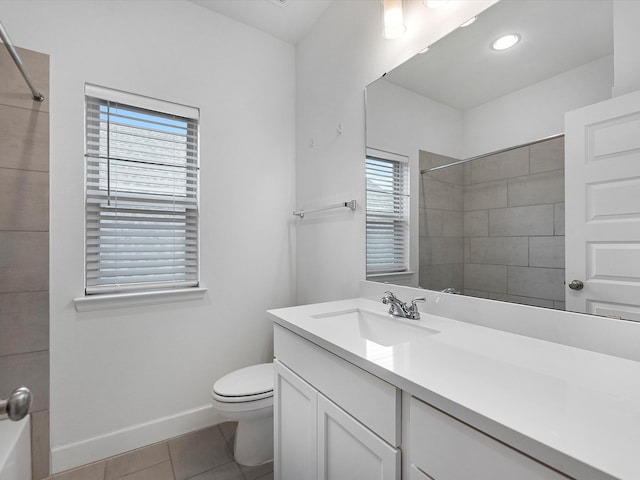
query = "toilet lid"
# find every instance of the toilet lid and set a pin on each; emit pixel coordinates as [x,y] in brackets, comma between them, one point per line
[248,381]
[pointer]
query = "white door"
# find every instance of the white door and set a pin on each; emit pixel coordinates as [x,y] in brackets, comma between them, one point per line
[295,426]
[347,450]
[602,148]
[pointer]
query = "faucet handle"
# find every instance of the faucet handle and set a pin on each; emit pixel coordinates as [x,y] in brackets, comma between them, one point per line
[413,309]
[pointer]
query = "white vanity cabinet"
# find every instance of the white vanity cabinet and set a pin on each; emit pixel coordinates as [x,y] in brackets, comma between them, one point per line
[333,420]
[441,448]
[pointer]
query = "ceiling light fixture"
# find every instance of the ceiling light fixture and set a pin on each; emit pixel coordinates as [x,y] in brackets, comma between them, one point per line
[392,19]
[435,3]
[469,22]
[505,41]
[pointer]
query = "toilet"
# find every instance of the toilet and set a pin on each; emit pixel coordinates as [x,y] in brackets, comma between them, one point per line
[246,396]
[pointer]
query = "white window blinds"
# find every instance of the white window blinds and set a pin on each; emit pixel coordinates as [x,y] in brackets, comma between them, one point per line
[141,197]
[387,215]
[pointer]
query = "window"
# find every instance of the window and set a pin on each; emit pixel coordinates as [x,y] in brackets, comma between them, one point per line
[141,193]
[387,214]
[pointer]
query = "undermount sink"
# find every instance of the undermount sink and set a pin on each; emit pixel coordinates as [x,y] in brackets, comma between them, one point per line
[382,329]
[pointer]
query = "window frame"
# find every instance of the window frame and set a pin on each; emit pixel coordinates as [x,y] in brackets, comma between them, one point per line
[401,205]
[189,162]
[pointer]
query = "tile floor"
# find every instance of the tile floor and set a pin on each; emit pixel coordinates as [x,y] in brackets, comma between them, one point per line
[201,455]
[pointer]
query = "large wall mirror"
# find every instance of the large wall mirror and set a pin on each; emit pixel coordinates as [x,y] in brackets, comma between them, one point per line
[481,133]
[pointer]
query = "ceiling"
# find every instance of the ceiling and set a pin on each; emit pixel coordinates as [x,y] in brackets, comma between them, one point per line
[462,71]
[288,20]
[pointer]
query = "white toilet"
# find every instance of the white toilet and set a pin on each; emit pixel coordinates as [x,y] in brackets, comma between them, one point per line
[246,396]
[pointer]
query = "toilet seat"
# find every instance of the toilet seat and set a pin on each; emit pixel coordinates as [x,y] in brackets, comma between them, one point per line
[245,385]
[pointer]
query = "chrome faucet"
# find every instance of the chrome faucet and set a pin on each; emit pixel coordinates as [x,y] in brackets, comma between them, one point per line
[398,308]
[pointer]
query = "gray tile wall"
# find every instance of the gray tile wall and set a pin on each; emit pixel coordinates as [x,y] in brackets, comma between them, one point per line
[441,223]
[24,243]
[509,224]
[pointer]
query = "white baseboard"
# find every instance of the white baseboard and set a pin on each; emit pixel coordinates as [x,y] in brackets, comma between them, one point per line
[72,455]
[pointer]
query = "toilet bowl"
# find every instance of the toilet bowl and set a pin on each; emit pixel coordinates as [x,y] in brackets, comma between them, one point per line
[246,396]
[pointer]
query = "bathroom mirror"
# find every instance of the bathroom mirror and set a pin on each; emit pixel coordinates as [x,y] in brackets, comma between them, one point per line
[475,124]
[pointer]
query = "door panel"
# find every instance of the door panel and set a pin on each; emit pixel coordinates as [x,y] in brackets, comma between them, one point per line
[603,207]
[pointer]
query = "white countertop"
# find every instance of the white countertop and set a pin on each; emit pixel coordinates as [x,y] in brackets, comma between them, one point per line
[572,409]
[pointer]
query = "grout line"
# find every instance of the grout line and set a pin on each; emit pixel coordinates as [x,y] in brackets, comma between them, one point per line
[173,470]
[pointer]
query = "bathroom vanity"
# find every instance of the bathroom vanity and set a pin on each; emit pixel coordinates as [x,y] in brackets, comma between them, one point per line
[360,394]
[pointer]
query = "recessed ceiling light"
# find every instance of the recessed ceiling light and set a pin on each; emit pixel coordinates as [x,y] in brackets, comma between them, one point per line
[505,41]
[469,22]
[424,50]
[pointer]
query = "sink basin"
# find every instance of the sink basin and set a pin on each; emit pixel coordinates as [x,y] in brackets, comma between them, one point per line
[379,328]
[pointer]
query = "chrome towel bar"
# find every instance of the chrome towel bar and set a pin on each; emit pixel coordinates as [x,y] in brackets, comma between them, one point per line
[351,204]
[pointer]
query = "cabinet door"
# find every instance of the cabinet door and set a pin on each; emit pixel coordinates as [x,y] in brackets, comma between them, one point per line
[295,426]
[349,451]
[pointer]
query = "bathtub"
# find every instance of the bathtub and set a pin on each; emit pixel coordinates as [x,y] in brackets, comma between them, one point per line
[15,450]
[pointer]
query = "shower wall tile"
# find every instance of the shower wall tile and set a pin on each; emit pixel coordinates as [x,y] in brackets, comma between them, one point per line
[476,223]
[534,302]
[424,159]
[425,251]
[537,189]
[24,261]
[40,444]
[458,197]
[522,221]
[430,222]
[547,156]
[24,196]
[558,223]
[546,252]
[453,174]
[24,322]
[452,223]
[14,90]
[439,277]
[476,293]
[29,369]
[438,195]
[513,163]
[446,250]
[24,243]
[499,250]
[492,278]
[485,195]
[24,139]
[547,283]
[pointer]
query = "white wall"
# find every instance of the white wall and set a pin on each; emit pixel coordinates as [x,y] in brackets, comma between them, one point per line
[626,38]
[344,53]
[128,377]
[537,111]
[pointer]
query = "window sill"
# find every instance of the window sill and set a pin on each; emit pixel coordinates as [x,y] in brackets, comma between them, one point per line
[392,274]
[92,303]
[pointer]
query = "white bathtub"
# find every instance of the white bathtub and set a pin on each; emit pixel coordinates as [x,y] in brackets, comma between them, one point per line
[15,450]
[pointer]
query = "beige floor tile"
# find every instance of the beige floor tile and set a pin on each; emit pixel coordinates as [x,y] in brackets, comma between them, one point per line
[254,473]
[94,471]
[161,471]
[228,430]
[229,471]
[198,452]
[136,460]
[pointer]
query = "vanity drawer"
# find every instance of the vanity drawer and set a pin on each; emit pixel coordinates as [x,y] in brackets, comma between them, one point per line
[370,400]
[444,448]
